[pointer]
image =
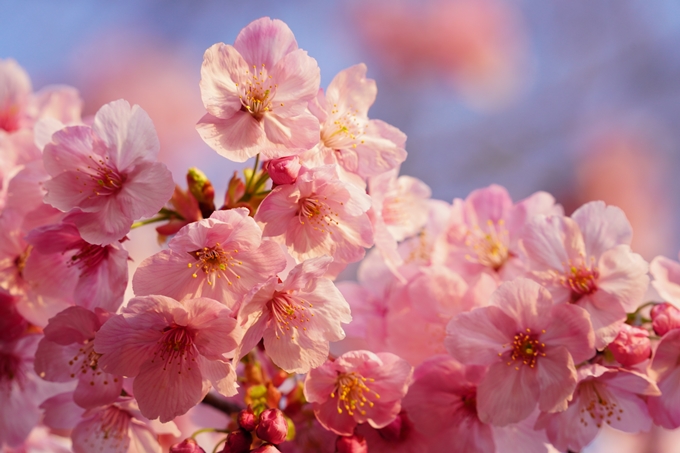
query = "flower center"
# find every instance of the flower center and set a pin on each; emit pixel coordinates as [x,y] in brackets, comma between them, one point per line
[257,93]
[176,345]
[580,279]
[598,404]
[317,213]
[344,131]
[114,423]
[101,178]
[469,400]
[10,367]
[490,246]
[88,359]
[353,393]
[215,262]
[289,311]
[526,349]
[20,260]
[88,257]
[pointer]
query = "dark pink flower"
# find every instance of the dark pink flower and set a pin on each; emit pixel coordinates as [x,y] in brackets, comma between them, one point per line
[66,353]
[221,257]
[256,93]
[358,387]
[273,427]
[283,170]
[604,396]
[175,350]
[186,446]
[102,270]
[665,369]
[355,443]
[530,346]
[107,172]
[586,260]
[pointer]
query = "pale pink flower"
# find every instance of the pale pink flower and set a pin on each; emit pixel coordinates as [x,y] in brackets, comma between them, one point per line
[256,93]
[631,346]
[297,317]
[586,260]
[318,215]
[102,270]
[175,350]
[113,428]
[66,353]
[21,391]
[358,387]
[664,369]
[107,172]
[221,257]
[530,346]
[604,396]
[484,231]
[666,281]
[442,403]
[348,138]
[665,317]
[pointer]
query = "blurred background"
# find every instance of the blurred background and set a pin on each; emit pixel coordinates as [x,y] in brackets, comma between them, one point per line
[581,99]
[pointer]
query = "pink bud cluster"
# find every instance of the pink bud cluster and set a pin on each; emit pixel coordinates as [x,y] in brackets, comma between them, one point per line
[474,325]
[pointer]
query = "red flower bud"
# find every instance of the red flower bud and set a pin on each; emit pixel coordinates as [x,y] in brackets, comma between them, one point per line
[631,345]
[283,170]
[186,446]
[273,427]
[665,317]
[268,448]
[238,442]
[247,419]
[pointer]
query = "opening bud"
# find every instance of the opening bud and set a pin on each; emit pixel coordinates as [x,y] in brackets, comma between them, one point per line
[186,446]
[273,427]
[665,317]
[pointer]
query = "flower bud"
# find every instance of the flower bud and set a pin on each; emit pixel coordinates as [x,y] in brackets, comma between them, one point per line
[202,190]
[351,444]
[631,346]
[268,448]
[186,446]
[665,317]
[238,442]
[247,419]
[273,427]
[283,170]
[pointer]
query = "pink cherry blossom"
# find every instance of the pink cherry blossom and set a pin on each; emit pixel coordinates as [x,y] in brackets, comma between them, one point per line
[358,387]
[604,396]
[21,391]
[318,215]
[400,436]
[664,368]
[102,270]
[175,351]
[12,324]
[360,146]
[221,257]
[442,403]
[530,346]
[631,346]
[297,317]
[586,260]
[113,428]
[107,172]
[15,91]
[66,353]
[484,231]
[665,317]
[256,93]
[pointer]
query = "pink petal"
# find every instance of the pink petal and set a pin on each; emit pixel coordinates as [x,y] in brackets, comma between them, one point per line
[70,148]
[97,389]
[221,375]
[603,227]
[525,301]
[90,436]
[507,395]
[552,241]
[297,77]
[476,337]
[666,275]
[124,350]
[265,41]
[290,134]
[128,134]
[221,70]
[351,90]
[623,275]
[73,325]
[147,188]
[237,138]
[557,379]
[571,328]
[214,325]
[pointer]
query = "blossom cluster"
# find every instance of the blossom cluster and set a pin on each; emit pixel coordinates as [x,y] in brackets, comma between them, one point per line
[483,325]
